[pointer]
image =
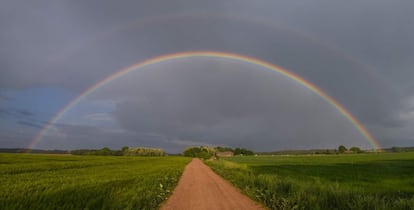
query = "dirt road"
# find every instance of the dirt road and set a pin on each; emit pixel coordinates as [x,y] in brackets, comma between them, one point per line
[200,188]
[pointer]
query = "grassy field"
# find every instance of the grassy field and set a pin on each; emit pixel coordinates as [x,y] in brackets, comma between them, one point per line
[363,181]
[86,182]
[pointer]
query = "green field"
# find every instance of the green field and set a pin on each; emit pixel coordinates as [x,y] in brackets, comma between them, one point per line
[363,181]
[86,182]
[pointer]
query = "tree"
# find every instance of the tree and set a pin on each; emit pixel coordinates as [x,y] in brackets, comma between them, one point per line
[144,151]
[204,155]
[243,151]
[104,151]
[200,152]
[356,150]
[124,150]
[237,151]
[224,149]
[191,151]
[342,149]
[396,149]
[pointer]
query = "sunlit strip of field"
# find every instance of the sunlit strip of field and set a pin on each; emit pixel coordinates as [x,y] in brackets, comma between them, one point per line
[363,181]
[86,182]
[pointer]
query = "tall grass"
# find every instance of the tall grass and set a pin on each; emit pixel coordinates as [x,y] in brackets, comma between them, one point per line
[86,182]
[375,181]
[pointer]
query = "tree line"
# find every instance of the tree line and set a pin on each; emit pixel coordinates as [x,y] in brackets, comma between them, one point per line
[125,151]
[206,152]
[343,149]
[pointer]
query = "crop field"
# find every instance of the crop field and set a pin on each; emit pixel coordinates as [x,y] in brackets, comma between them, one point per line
[86,182]
[360,181]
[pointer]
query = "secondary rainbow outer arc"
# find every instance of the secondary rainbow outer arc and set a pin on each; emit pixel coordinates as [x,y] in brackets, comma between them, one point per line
[213,54]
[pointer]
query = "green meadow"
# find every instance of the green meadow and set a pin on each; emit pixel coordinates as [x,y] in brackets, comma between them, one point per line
[86,182]
[352,181]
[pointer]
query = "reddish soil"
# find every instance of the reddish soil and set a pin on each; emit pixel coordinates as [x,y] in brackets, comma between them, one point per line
[200,188]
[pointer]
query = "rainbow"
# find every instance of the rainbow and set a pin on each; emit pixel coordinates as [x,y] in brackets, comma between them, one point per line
[212,54]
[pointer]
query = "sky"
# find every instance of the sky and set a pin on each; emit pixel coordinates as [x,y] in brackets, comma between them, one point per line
[360,53]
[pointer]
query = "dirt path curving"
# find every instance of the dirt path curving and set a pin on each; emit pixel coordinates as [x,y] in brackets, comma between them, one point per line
[200,188]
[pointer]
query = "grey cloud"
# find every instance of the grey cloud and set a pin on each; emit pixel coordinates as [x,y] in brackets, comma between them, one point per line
[30,124]
[5,98]
[334,45]
[67,136]
[14,139]
[216,102]
[15,112]
[377,32]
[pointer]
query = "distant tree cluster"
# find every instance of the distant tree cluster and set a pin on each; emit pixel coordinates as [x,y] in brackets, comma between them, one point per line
[206,152]
[143,151]
[103,152]
[203,152]
[342,149]
[137,151]
[398,149]
[355,150]
[243,151]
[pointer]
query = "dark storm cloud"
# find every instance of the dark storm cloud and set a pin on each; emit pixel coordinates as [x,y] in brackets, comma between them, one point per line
[335,45]
[216,102]
[378,32]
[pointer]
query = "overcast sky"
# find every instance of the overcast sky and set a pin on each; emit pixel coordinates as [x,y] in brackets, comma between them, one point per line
[358,52]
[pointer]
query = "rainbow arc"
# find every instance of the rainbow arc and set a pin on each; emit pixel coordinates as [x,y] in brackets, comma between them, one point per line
[211,54]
